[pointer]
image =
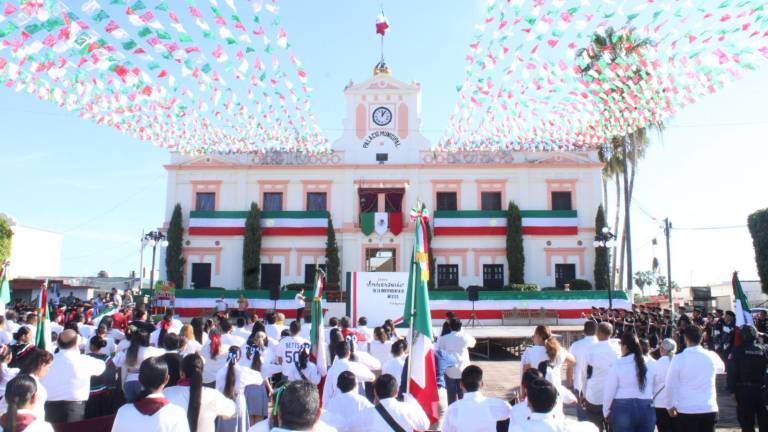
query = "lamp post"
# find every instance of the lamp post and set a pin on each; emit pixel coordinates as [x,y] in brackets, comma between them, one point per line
[153,238]
[606,239]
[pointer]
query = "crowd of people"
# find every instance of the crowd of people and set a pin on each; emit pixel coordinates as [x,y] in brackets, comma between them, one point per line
[634,370]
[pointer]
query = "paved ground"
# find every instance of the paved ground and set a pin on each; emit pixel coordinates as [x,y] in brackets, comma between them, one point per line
[502,378]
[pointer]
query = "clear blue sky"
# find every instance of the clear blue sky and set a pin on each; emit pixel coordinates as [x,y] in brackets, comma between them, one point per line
[101,188]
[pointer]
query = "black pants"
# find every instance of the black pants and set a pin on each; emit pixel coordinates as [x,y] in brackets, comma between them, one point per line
[299,314]
[665,423]
[696,422]
[749,403]
[595,416]
[64,411]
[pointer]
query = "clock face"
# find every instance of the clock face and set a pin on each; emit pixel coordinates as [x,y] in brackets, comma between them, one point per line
[382,116]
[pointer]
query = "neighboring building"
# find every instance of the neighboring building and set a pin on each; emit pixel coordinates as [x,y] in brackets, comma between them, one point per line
[34,251]
[83,288]
[378,169]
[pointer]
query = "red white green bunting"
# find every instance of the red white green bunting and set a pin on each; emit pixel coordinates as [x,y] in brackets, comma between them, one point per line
[494,222]
[273,223]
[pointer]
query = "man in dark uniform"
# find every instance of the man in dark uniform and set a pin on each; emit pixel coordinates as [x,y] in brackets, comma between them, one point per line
[761,322]
[726,329]
[746,378]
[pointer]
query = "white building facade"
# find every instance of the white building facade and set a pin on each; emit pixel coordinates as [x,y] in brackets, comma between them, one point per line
[375,174]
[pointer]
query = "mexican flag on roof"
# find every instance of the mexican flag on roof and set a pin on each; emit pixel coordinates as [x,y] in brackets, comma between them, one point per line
[494,222]
[273,223]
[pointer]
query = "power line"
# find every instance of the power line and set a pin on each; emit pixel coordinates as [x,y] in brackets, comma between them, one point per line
[724,227]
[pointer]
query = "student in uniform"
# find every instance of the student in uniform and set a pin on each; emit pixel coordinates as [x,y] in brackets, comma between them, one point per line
[22,346]
[257,395]
[130,360]
[191,345]
[396,363]
[475,412]
[347,403]
[288,349]
[380,347]
[303,369]
[21,394]
[215,355]
[542,398]
[628,390]
[232,381]
[389,412]
[341,364]
[6,373]
[101,399]
[202,404]
[36,365]
[151,411]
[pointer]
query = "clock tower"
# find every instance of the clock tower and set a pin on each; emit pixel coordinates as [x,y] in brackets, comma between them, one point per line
[382,122]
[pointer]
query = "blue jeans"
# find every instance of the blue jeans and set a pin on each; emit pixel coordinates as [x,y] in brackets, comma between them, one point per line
[633,415]
[131,390]
[453,387]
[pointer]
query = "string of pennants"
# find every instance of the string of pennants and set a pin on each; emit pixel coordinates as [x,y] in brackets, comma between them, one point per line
[195,76]
[532,82]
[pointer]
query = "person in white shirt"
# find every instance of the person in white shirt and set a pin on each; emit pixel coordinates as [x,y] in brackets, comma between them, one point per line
[380,347]
[303,369]
[347,403]
[333,323]
[547,355]
[475,412]
[579,350]
[691,384]
[258,356]
[394,366]
[227,337]
[215,355]
[202,404]
[408,415]
[300,301]
[298,409]
[36,365]
[664,423]
[10,321]
[240,330]
[6,337]
[130,360]
[191,346]
[272,329]
[599,359]
[151,411]
[456,343]
[341,364]
[628,390]
[362,328]
[288,349]
[221,306]
[232,381]
[68,381]
[21,394]
[541,400]
[117,299]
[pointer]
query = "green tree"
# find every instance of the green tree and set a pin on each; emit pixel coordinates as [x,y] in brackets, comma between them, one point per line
[602,265]
[5,240]
[758,228]
[661,282]
[432,282]
[174,260]
[515,255]
[252,248]
[332,264]
[644,279]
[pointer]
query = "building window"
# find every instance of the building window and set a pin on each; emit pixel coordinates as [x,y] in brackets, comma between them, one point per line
[490,200]
[564,273]
[447,275]
[380,260]
[493,276]
[205,201]
[446,201]
[316,201]
[273,201]
[309,274]
[562,201]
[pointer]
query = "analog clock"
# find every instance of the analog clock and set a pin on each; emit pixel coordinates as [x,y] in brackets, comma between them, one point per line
[382,116]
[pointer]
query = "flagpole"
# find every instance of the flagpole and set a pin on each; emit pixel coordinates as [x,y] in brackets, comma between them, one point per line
[413,303]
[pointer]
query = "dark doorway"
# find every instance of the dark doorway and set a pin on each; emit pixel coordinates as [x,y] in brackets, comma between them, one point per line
[564,273]
[201,275]
[270,276]
[493,276]
[309,274]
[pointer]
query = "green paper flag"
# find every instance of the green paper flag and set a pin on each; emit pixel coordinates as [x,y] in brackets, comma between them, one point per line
[367,223]
[5,291]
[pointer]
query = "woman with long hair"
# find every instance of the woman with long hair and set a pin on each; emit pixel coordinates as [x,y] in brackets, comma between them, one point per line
[215,355]
[190,344]
[130,360]
[151,411]
[202,404]
[628,390]
[547,355]
[259,356]
[201,334]
[6,373]
[232,381]
[667,350]
[102,395]
[163,328]
[381,345]
[334,337]
[389,328]
[20,396]
[303,369]
[36,365]
[22,347]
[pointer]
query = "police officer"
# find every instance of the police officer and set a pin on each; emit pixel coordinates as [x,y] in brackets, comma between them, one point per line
[746,378]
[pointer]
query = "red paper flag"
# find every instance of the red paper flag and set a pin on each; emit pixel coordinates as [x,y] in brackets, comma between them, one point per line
[381,24]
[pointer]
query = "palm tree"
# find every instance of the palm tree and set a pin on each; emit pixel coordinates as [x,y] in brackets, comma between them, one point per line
[622,154]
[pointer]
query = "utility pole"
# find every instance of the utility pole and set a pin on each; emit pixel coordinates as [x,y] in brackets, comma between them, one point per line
[627,230]
[667,229]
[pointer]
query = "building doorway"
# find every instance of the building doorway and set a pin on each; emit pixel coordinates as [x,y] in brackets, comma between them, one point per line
[493,276]
[270,276]
[380,260]
[564,273]
[201,275]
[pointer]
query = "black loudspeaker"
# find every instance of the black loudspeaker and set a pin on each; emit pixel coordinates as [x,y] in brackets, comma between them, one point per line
[274,293]
[473,293]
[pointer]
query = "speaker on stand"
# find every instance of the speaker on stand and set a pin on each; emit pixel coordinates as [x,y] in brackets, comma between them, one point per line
[274,295]
[473,295]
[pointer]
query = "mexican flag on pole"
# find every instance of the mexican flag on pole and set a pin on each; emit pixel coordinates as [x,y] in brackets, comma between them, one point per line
[5,290]
[743,315]
[422,377]
[317,336]
[43,333]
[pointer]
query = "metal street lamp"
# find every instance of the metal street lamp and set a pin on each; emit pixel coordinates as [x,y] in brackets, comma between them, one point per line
[606,239]
[154,238]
